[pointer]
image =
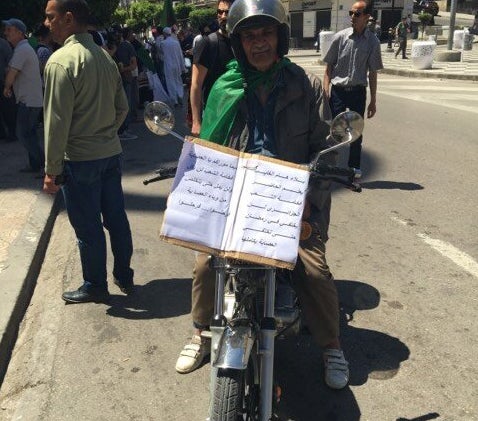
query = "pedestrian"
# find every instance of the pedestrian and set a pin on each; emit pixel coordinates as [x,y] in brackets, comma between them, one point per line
[401,31]
[23,77]
[8,107]
[353,53]
[378,30]
[281,93]
[210,56]
[44,47]
[474,28]
[128,65]
[85,104]
[174,66]
[157,54]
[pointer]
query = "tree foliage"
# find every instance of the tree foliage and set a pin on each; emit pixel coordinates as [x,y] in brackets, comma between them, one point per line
[182,11]
[144,14]
[425,20]
[32,12]
[202,17]
[168,17]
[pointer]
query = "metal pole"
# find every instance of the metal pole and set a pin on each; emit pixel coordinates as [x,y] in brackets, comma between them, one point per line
[452,24]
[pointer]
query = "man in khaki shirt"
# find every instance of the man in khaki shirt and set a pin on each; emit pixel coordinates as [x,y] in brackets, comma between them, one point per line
[84,106]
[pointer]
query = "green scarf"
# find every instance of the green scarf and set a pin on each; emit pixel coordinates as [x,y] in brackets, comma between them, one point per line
[227,91]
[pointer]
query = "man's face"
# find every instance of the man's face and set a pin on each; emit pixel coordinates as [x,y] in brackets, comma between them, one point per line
[55,21]
[13,35]
[358,17]
[222,12]
[260,46]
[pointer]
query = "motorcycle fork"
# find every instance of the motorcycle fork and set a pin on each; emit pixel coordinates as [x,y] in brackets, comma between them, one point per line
[218,324]
[266,347]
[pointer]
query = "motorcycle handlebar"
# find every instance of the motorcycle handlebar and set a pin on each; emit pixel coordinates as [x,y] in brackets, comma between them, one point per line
[320,171]
[163,174]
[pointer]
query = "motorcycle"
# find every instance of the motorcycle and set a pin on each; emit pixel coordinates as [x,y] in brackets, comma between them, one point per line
[254,304]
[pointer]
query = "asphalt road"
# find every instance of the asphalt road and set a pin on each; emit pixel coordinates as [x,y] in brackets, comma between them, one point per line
[403,252]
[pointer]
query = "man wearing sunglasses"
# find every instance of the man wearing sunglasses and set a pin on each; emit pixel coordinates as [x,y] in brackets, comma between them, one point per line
[352,63]
[210,56]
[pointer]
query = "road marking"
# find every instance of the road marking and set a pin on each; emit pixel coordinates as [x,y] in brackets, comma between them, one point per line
[460,258]
[457,256]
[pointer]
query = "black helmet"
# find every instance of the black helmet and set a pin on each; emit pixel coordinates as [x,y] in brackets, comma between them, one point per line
[257,13]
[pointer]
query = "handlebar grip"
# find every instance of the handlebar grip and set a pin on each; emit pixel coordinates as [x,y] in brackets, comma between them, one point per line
[163,174]
[326,169]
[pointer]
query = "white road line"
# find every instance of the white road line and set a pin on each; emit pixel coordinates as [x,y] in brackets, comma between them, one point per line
[460,258]
[457,256]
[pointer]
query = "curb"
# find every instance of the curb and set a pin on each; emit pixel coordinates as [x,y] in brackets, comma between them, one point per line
[425,74]
[18,280]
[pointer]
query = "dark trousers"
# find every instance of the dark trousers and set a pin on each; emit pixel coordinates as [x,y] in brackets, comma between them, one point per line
[94,199]
[355,99]
[27,120]
[402,47]
[8,115]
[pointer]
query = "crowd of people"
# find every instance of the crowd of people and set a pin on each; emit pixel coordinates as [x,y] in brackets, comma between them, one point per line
[87,113]
[24,54]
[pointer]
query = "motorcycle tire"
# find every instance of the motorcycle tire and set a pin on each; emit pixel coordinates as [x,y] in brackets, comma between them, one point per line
[235,396]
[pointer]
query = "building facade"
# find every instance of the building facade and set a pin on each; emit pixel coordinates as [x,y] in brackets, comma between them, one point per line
[309,17]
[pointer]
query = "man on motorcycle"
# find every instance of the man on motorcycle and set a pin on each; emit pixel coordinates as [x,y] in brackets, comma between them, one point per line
[267,105]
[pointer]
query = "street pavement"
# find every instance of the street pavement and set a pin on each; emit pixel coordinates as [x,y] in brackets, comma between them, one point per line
[27,215]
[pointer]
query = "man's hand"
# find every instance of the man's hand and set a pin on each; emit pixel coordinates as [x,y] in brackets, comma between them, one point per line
[195,129]
[7,92]
[49,185]
[371,109]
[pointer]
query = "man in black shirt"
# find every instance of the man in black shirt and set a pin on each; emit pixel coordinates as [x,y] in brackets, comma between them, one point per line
[210,57]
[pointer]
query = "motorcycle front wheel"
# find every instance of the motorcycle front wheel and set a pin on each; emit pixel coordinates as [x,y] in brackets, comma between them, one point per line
[236,396]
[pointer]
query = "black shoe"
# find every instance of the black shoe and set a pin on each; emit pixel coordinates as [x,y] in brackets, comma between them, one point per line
[128,289]
[82,296]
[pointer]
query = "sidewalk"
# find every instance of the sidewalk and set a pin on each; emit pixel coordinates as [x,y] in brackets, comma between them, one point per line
[27,215]
[26,220]
[467,69]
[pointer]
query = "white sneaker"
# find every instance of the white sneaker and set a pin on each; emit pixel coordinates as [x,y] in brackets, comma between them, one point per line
[127,136]
[336,369]
[192,355]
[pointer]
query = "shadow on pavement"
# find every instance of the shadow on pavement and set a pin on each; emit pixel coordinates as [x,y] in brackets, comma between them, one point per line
[389,185]
[158,299]
[300,372]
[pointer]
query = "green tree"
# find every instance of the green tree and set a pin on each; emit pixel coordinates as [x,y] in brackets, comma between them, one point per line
[201,17]
[32,12]
[120,16]
[144,14]
[167,15]
[182,11]
[425,20]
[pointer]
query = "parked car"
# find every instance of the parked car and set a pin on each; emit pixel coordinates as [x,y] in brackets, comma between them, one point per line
[428,6]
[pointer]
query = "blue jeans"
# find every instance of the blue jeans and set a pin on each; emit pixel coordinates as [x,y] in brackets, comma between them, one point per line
[94,198]
[27,120]
[355,100]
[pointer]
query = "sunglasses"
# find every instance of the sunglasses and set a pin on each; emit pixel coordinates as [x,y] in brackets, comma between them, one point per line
[222,12]
[356,13]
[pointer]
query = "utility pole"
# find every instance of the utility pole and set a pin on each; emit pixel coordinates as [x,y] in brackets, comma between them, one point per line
[452,24]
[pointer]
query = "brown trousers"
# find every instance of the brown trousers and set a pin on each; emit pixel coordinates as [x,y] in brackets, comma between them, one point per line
[313,283]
